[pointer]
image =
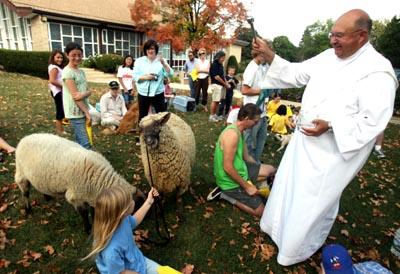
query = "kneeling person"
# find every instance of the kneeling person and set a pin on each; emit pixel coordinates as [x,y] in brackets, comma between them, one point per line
[234,167]
[112,107]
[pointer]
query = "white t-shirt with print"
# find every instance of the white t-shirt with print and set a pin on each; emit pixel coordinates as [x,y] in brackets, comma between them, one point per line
[126,73]
[252,77]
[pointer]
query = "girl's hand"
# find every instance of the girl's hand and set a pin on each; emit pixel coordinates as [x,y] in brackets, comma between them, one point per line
[152,193]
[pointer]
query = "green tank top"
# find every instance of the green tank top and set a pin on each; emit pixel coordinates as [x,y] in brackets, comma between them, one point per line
[223,180]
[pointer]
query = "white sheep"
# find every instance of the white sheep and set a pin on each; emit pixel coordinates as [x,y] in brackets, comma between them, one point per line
[54,165]
[172,150]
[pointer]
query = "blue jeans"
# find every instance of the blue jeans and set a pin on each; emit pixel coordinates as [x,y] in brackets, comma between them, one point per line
[128,97]
[255,138]
[191,86]
[80,134]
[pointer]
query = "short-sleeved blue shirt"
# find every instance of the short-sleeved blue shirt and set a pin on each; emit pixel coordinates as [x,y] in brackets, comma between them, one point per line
[121,252]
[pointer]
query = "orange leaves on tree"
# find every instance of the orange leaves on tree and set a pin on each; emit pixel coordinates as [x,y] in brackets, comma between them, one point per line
[190,23]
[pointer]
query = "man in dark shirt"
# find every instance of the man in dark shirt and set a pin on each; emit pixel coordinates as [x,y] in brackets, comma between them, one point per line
[218,83]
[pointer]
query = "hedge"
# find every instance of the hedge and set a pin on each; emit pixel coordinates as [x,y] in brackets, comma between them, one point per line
[108,63]
[33,63]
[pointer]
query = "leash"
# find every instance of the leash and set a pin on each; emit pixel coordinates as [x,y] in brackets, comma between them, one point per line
[158,211]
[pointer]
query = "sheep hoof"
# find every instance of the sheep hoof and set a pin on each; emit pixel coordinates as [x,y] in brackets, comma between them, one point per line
[47,197]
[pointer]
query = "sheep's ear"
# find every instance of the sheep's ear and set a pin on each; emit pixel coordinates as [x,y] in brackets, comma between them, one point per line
[164,118]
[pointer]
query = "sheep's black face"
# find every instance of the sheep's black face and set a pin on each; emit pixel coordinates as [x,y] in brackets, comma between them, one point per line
[151,135]
[150,128]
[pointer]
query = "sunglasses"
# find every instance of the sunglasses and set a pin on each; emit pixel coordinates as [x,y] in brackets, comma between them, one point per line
[202,53]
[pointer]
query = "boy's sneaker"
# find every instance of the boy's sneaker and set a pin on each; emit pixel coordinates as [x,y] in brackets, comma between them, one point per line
[213,118]
[379,153]
[215,193]
[220,118]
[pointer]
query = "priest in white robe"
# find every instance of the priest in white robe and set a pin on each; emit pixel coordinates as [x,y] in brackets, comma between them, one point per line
[347,102]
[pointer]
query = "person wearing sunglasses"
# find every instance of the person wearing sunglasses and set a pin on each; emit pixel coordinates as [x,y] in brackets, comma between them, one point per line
[203,68]
[344,118]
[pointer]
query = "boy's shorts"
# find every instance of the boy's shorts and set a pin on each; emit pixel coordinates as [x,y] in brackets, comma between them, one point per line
[218,92]
[240,195]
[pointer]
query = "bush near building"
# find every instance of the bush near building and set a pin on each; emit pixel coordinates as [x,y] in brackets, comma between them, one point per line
[33,63]
[108,63]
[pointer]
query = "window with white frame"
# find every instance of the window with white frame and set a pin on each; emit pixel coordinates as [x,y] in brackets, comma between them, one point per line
[178,61]
[121,42]
[61,34]
[15,31]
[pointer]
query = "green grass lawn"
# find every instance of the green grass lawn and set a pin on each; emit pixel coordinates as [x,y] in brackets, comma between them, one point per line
[214,237]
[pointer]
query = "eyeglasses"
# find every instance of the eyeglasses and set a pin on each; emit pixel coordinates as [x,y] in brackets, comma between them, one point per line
[202,53]
[340,35]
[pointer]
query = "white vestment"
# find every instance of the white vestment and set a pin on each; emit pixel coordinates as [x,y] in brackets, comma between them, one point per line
[356,95]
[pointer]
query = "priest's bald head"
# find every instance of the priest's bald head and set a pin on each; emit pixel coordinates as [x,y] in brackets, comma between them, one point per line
[350,32]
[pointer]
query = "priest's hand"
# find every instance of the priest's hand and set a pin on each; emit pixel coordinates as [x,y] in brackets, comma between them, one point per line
[321,126]
[261,47]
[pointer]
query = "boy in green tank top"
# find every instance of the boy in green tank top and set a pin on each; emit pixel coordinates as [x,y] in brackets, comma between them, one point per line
[235,170]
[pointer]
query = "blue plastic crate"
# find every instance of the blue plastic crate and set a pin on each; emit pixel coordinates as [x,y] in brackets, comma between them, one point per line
[184,103]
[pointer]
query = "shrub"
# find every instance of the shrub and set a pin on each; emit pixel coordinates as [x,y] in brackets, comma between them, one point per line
[242,66]
[175,79]
[89,62]
[33,63]
[108,62]
[232,62]
[292,94]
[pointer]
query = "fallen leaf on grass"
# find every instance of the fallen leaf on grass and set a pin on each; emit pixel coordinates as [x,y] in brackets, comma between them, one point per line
[49,249]
[209,212]
[344,232]
[3,207]
[267,251]
[240,259]
[4,263]
[341,219]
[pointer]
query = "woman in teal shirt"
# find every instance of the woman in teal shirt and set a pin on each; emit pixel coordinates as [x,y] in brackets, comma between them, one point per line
[149,73]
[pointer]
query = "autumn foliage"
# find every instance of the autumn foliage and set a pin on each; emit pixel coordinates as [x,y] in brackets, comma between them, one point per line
[211,24]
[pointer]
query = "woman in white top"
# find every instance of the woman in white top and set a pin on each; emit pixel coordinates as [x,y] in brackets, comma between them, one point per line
[125,79]
[203,69]
[56,65]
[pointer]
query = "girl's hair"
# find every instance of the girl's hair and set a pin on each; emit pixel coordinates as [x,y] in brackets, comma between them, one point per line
[112,205]
[124,62]
[53,54]
[148,44]
[282,110]
[71,46]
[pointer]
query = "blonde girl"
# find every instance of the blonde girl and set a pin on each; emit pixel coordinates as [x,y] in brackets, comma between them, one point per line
[113,241]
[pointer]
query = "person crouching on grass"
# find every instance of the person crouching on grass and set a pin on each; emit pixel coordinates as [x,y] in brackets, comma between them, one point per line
[112,107]
[235,170]
[113,241]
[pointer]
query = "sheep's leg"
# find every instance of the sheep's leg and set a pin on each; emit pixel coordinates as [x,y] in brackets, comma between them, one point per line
[24,185]
[82,208]
[84,212]
[47,197]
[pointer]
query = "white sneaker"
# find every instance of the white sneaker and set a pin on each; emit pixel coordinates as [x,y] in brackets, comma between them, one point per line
[214,194]
[220,118]
[379,153]
[213,118]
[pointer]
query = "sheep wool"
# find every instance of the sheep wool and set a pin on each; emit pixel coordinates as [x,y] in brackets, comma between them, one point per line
[172,158]
[54,165]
